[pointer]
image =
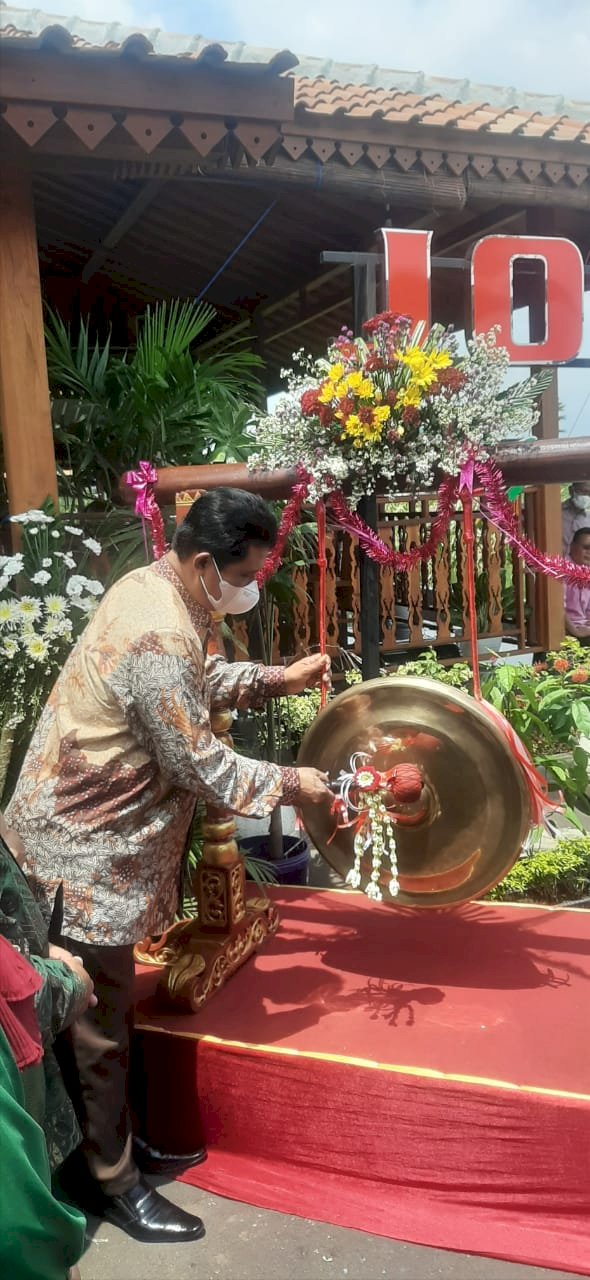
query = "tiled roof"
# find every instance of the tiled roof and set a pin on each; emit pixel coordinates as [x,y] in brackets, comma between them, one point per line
[324,87]
[364,102]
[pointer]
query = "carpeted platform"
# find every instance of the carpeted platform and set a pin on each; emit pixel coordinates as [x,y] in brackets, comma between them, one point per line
[423,1076]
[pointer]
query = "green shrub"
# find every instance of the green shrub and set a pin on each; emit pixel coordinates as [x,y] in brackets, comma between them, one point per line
[560,874]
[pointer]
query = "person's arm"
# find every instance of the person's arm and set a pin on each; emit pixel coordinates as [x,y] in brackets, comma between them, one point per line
[577,622]
[246,685]
[39,1236]
[66,993]
[161,686]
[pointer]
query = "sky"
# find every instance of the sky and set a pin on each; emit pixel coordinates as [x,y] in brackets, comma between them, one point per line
[535,45]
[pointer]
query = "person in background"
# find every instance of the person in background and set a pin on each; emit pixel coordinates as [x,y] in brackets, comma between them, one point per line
[63,994]
[39,1235]
[575,512]
[577,599]
[107,793]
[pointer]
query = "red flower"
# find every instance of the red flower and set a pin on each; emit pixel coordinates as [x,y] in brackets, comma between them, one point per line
[372,363]
[366,416]
[448,380]
[561,665]
[310,405]
[391,398]
[410,416]
[579,676]
[325,414]
[346,349]
[368,779]
[385,320]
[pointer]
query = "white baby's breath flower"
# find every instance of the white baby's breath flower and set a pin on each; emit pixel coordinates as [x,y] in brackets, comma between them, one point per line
[12,565]
[55,606]
[86,604]
[73,528]
[93,546]
[29,609]
[34,529]
[47,562]
[32,517]
[77,584]
[55,533]
[3,581]
[67,558]
[41,578]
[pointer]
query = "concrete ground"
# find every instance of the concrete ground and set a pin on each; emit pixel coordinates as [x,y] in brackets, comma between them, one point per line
[243,1243]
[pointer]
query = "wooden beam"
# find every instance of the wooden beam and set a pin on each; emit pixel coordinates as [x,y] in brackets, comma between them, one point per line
[178,85]
[549,615]
[25,412]
[140,201]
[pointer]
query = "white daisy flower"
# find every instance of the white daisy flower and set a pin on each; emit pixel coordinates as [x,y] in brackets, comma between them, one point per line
[29,609]
[37,647]
[55,606]
[3,581]
[41,578]
[6,612]
[9,647]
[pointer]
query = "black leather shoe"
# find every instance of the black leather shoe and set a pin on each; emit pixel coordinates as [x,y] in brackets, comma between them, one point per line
[145,1215]
[150,1160]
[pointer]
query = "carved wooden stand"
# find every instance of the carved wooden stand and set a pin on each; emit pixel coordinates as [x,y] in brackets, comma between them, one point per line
[197,956]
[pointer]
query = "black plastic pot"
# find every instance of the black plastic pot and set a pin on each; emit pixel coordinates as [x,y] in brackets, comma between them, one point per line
[292,868]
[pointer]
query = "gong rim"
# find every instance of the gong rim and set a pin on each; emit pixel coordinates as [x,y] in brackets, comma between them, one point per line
[480,809]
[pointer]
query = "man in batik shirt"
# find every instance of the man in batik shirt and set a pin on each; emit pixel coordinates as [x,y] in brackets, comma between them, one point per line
[108,789]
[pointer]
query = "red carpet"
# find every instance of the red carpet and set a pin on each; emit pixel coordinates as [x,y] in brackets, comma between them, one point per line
[422,1076]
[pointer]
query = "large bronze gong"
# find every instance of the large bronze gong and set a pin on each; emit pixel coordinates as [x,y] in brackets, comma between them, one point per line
[474,814]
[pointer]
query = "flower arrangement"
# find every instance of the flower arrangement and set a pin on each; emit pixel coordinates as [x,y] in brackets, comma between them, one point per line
[45,602]
[397,405]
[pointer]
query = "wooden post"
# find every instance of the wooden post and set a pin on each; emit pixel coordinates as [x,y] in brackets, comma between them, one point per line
[549,613]
[25,412]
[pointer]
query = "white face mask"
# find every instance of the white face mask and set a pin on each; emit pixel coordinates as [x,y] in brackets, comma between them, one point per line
[581,501]
[232,599]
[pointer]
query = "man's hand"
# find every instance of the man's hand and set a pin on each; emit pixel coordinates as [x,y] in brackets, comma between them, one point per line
[88,999]
[313,786]
[308,673]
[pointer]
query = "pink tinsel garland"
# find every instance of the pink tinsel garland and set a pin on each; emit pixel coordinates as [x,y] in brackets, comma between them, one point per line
[375,547]
[289,518]
[143,482]
[496,507]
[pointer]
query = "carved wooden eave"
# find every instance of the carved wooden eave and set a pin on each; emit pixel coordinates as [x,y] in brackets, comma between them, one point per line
[175,117]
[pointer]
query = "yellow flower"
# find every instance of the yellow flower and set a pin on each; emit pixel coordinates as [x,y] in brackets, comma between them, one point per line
[381,413]
[325,393]
[424,365]
[336,373]
[362,432]
[410,396]
[353,424]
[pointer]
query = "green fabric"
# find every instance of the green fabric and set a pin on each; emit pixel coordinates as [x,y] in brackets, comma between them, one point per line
[23,924]
[40,1238]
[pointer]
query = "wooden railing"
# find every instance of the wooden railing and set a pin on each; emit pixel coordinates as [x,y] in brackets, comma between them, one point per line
[422,608]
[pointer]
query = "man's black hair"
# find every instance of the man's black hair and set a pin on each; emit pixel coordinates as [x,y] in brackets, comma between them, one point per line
[225,523]
[579,534]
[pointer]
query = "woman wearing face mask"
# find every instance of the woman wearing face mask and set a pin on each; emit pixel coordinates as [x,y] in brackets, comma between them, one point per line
[107,793]
[575,513]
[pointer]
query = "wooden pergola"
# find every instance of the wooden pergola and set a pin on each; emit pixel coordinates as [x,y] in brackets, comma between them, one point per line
[134,171]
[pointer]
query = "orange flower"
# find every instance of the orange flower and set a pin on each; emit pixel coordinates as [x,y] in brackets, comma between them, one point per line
[561,665]
[579,676]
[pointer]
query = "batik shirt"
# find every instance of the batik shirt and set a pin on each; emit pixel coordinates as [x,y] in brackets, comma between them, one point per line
[122,751]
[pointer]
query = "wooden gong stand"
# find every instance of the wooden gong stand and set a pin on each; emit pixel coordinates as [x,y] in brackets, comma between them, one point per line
[198,956]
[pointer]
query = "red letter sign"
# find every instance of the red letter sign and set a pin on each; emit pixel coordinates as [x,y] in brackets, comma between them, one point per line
[407,272]
[492,266]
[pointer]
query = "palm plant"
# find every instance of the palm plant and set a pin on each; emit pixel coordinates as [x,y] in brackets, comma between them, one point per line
[159,401]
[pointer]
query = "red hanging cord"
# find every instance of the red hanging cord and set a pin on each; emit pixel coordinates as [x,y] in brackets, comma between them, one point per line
[469,537]
[322,567]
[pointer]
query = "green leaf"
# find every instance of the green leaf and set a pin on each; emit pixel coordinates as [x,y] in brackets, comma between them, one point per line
[581,716]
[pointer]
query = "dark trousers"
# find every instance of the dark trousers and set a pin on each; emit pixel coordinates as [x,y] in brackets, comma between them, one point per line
[94,1058]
